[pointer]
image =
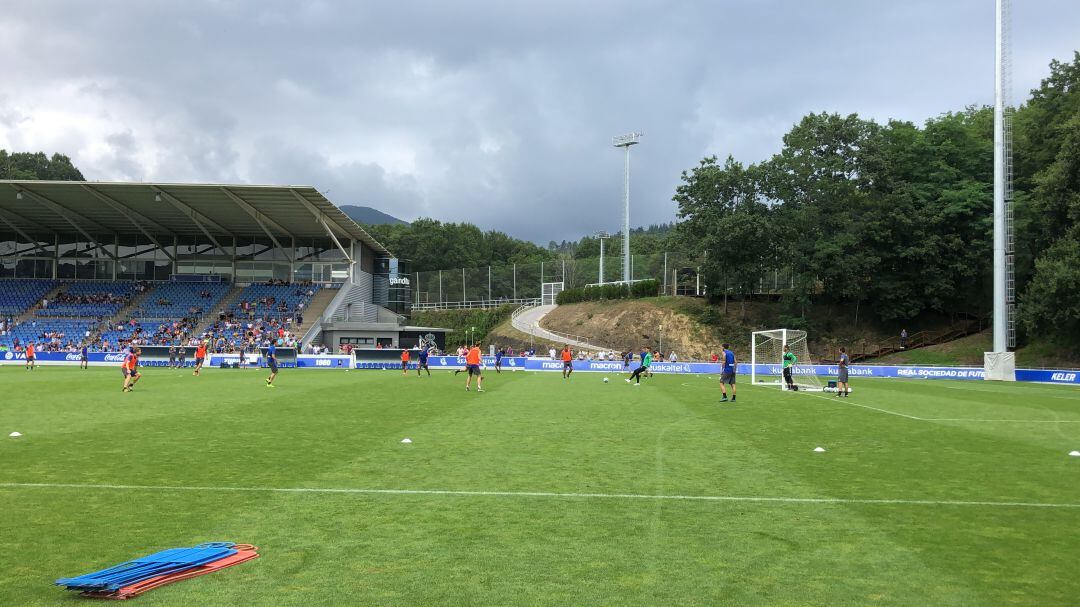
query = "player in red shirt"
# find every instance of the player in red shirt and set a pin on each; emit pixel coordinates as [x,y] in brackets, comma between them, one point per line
[200,356]
[405,362]
[30,357]
[472,366]
[130,368]
[567,362]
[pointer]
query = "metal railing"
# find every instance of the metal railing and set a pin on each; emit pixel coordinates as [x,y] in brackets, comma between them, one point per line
[477,304]
[616,282]
[577,338]
[920,339]
[532,329]
[527,304]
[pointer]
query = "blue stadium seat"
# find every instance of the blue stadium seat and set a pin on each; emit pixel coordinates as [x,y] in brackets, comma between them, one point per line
[19,295]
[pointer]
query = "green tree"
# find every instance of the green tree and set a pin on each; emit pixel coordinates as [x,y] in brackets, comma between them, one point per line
[36,165]
[430,244]
[724,216]
[1050,306]
[823,180]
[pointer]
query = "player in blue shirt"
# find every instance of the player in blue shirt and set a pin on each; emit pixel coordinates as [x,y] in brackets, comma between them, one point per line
[498,359]
[727,372]
[84,358]
[423,364]
[271,361]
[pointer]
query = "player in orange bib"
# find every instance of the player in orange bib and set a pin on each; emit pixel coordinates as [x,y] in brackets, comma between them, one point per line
[405,361]
[130,368]
[472,366]
[30,357]
[200,356]
[567,362]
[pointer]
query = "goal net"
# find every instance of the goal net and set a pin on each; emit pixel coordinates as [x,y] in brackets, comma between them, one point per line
[767,360]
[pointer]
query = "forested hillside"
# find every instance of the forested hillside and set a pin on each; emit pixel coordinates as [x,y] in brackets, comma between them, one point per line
[897,217]
[430,244]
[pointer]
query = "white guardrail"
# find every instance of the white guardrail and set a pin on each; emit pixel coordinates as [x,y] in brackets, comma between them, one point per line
[531,330]
[476,304]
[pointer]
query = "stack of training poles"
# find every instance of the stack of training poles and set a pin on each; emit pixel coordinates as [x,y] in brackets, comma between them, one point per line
[141,575]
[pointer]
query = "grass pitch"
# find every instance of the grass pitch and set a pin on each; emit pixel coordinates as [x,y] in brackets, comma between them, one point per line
[542,491]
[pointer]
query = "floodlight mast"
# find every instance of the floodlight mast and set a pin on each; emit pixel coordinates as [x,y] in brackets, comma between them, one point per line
[1002,182]
[601,235]
[625,141]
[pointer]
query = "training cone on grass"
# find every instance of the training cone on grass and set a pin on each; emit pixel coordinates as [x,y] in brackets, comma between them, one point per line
[406,441]
[18,434]
[819,450]
[1074,453]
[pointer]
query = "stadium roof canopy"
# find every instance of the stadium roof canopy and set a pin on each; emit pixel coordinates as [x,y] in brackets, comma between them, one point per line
[163,210]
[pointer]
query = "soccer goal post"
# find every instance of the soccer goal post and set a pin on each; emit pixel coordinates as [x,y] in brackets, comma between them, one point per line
[767,360]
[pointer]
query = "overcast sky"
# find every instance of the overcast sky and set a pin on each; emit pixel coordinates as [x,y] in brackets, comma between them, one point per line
[499,113]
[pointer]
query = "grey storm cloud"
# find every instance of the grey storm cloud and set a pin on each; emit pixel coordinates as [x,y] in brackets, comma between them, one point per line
[497,113]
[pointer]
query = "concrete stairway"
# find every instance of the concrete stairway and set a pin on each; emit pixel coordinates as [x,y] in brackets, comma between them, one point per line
[227,303]
[315,308]
[29,315]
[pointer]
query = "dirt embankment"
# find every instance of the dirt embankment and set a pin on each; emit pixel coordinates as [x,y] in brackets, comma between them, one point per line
[631,324]
[695,329]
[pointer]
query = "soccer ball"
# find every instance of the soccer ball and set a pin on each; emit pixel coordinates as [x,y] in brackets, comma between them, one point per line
[605,380]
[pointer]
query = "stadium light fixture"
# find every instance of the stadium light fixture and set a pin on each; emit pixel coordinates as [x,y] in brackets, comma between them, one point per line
[601,235]
[625,141]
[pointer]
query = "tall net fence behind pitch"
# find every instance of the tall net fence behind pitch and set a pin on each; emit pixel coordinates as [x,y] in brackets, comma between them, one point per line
[768,359]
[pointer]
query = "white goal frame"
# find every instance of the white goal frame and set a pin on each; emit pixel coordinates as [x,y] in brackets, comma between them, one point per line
[811,383]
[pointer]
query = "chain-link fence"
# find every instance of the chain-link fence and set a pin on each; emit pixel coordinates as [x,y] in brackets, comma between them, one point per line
[489,285]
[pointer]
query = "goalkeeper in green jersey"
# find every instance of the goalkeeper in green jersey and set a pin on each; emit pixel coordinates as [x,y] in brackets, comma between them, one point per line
[789,362]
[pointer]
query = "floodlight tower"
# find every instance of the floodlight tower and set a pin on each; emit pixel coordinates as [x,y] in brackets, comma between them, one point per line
[625,141]
[1000,363]
[601,235]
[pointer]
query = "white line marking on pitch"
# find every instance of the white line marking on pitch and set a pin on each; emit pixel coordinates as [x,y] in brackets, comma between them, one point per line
[548,494]
[1014,421]
[846,402]
[948,419]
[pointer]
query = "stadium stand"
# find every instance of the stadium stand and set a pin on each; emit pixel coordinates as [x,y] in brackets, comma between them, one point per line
[48,334]
[19,295]
[261,313]
[173,300]
[274,301]
[166,313]
[92,299]
[184,261]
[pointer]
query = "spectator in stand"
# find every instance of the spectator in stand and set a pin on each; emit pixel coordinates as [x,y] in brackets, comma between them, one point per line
[903,339]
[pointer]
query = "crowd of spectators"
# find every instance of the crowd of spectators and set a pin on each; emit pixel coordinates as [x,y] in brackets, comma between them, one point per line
[89,298]
[229,333]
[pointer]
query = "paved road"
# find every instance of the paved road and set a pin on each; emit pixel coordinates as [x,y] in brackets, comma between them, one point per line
[529,322]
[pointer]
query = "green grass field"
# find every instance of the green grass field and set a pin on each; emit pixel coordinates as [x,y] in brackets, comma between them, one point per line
[542,491]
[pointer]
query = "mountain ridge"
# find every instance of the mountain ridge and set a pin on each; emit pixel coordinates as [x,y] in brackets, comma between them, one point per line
[370,216]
